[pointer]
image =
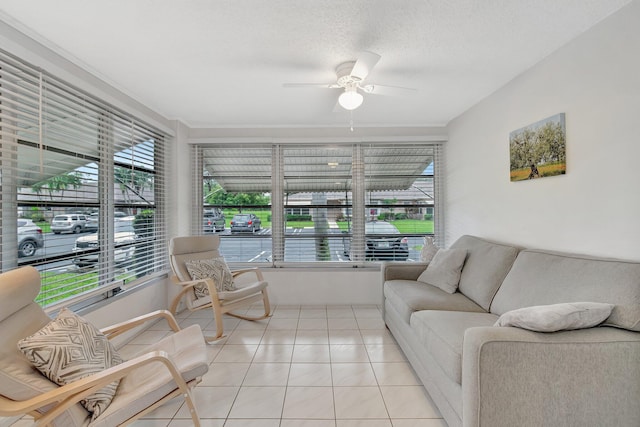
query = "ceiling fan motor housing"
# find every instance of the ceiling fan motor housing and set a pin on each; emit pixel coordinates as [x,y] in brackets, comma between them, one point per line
[343,72]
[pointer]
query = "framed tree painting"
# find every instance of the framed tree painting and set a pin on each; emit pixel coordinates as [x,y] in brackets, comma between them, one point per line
[538,150]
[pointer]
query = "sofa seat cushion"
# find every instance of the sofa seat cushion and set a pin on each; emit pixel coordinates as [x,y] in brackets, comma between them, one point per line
[408,296]
[442,334]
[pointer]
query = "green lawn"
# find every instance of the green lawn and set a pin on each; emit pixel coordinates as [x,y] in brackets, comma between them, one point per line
[413,226]
[59,286]
[46,227]
[405,226]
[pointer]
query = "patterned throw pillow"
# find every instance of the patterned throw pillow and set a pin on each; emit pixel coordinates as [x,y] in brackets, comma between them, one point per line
[428,250]
[215,268]
[69,348]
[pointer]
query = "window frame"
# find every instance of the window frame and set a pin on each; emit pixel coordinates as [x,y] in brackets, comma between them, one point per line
[279,234]
[46,116]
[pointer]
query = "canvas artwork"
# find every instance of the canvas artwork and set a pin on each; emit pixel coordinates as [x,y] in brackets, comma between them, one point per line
[538,150]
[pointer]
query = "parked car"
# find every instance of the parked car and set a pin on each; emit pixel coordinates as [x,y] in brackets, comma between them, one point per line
[213,220]
[69,223]
[92,221]
[30,238]
[86,247]
[382,242]
[245,222]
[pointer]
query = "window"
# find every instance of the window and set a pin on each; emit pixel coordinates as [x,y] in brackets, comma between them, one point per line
[236,184]
[86,179]
[345,203]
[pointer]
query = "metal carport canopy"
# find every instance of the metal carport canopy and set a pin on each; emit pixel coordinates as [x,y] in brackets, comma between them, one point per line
[316,169]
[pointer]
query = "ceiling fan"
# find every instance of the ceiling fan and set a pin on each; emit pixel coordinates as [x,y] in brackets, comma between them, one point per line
[350,77]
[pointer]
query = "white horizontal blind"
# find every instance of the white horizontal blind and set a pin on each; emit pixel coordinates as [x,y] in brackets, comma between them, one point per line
[438,190]
[236,200]
[399,200]
[197,189]
[318,199]
[64,154]
[20,116]
[138,171]
[344,203]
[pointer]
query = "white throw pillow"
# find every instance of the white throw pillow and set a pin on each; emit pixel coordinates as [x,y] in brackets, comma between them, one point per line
[215,268]
[429,249]
[557,317]
[444,269]
[69,348]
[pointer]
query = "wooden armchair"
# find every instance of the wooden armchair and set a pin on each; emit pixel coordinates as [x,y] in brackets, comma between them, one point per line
[164,370]
[182,250]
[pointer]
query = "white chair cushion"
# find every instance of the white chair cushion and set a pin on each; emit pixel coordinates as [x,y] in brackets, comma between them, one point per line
[243,292]
[145,385]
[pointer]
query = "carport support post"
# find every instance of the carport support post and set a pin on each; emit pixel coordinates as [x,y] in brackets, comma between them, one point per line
[321,226]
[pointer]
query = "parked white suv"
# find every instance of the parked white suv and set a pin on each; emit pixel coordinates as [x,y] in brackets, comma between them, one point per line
[69,223]
[87,247]
[30,237]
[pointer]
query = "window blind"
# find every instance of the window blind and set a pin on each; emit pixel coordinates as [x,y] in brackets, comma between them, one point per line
[82,179]
[341,203]
[236,182]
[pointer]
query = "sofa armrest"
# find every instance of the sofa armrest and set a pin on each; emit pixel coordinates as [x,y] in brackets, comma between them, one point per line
[588,377]
[401,270]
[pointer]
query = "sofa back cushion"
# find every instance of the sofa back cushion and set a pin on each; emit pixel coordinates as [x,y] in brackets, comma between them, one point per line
[486,266]
[545,277]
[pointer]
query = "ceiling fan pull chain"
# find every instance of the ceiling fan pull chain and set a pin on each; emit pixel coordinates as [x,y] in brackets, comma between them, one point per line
[351,121]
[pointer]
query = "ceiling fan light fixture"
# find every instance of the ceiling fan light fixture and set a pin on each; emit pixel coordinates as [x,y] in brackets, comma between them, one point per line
[350,99]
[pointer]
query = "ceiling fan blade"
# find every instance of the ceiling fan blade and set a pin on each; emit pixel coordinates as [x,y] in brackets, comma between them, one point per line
[366,61]
[318,85]
[387,90]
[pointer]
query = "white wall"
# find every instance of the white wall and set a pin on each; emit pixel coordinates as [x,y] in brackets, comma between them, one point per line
[125,307]
[324,286]
[595,207]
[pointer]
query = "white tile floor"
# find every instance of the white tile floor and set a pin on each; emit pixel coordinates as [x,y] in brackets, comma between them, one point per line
[308,366]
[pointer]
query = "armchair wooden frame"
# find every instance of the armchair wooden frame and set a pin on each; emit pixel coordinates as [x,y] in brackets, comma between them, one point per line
[203,247]
[63,398]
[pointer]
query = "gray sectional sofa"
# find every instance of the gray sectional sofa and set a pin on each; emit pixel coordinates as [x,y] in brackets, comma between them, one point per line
[479,374]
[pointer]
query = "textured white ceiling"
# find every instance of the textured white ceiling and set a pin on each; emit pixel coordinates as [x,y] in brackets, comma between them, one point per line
[222,63]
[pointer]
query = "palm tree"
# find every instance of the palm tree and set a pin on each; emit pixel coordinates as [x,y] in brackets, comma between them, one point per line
[132,181]
[59,183]
[122,176]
